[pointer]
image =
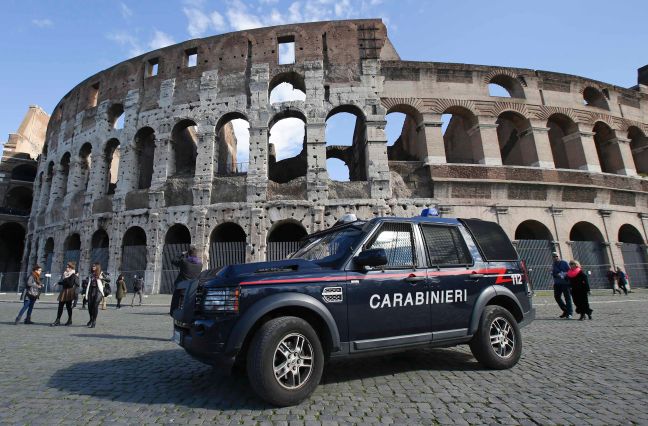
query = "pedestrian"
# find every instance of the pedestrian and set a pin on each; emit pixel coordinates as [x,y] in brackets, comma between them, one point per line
[31,294]
[138,289]
[68,282]
[121,290]
[77,290]
[84,288]
[107,293]
[580,289]
[190,267]
[562,286]
[94,292]
[622,279]
[612,281]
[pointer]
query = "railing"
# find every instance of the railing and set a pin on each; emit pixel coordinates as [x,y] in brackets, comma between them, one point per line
[233,169]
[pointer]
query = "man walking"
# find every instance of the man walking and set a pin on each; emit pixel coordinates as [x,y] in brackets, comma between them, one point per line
[561,286]
[138,289]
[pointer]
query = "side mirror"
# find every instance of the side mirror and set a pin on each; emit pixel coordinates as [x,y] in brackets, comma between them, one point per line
[371,257]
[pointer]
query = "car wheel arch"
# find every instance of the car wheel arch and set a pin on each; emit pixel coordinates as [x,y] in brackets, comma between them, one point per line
[495,295]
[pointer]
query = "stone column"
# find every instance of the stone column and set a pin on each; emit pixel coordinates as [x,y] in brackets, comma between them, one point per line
[586,150]
[316,173]
[204,175]
[628,167]
[43,199]
[430,140]
[257,177]
[115,239]
[161,170]
[540,134]
[256,240]
[377,162]
[154,247]
[85,256]
[201,235]
[486,149]
[97,184]
[74,180]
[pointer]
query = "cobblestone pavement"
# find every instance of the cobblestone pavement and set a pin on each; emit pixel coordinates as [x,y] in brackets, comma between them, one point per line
[127,371]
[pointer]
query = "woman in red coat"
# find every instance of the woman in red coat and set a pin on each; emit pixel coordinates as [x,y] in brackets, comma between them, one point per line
[580,289]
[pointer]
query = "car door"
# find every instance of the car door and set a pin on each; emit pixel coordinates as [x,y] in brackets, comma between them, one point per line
[383,309]
[453,286]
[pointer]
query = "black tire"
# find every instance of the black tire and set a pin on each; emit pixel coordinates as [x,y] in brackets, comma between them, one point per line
[504,351]
[265,352]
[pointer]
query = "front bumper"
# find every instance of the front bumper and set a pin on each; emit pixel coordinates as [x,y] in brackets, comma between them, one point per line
[528,317]
[203,340]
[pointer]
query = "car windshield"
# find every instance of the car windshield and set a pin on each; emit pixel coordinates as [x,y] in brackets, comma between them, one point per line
[331,248]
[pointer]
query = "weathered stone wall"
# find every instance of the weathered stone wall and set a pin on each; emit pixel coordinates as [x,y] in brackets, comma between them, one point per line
[541,154]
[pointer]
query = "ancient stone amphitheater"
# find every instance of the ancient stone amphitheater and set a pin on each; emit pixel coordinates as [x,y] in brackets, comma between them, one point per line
[558,161]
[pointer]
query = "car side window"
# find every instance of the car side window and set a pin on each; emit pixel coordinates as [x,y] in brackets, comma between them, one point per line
[398,242]
[445,246]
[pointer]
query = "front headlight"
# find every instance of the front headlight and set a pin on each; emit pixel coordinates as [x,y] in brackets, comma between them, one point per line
[224,299]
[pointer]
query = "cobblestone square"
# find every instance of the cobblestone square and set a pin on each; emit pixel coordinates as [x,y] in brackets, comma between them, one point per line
[127,371]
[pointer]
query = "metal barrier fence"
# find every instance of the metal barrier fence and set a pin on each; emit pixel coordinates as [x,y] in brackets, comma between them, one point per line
[226,253]
[170,252]
[279,250]
[537,257]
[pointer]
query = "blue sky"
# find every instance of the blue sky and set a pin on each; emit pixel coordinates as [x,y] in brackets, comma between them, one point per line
[50,46]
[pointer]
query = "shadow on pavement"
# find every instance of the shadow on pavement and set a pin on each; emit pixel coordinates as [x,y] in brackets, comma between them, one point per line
[115,336]
[170,377]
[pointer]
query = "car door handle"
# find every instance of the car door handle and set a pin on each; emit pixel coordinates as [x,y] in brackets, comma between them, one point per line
[415,278]
[474,277]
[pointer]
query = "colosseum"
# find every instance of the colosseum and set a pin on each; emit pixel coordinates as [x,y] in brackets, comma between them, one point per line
[141,159]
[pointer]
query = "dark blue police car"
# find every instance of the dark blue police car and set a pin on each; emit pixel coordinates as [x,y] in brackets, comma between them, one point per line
[362,287]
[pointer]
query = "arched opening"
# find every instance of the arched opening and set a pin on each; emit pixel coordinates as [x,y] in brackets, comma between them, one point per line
[85,162]
[116,116]
[144,156]
[65,174]
[607,148]
[461,138]
[111,156]
[516,142]
[287,147]
[346,137]
[12,241]
[564,139]
[589,248]
[176,241]
[184,143]
[49,255]
[133,256]
[283,239]
[337,169]
[71,250]
[594,97]
[100,252]
[19,200]
[633,250]
[639,147]
[405,141]
[534,244]
[505,86]
[286,87]
[232,145]
[24,172]
[227,245]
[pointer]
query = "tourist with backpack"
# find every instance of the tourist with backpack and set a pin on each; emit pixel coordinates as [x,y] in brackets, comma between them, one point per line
[32,292]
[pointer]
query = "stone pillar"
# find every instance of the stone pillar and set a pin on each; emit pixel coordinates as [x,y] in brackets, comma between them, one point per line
[540,134]
[316,173]
[115,239]
[204,175]
[256,240]
[257,177]
[201,235]
[74,180]
[586,150]
[43,199]
[161,161]
[97,184]
[376,160]
[613,257]
[430,140]
[488,152]
[561,241]
[154,247]
[628,167]
[85,256]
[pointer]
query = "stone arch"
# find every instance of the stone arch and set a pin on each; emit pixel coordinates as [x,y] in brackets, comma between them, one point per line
[232,144]
[594,97]
[532,230]
[227,243]
[286,156]
[639,148]
[589,248]
[566,145]
[509,83]
[629,234]
[461,138]
[85,163]
[144,146]
[284,237]
[72,250]
[411,144]
[64,166]
[112,156]
[176,241]
[133,253]
[184,148]
[24,172]
[116,116]
[607,148]
[585,231]
[633,251]
[348,148]
[517,145]
[99,250]
[19,199]
[287,86]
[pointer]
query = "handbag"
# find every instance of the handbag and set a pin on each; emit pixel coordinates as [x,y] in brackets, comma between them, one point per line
[107,290]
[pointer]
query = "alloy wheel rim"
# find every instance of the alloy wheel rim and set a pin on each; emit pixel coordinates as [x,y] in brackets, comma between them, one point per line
[293,361]
[502,337]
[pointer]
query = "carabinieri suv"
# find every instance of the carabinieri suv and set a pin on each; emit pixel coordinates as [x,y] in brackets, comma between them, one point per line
[361,287]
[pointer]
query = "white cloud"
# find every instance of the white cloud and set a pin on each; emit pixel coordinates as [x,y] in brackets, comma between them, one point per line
[126,11]
[43,23]
[288,137]
[124,38]
[239,19]
[160,40]
[199,22]
[285,92]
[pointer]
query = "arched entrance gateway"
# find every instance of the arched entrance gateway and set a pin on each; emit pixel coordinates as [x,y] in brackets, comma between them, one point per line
[12,237]
[534,243]
[177,241]
[72,251]
[633,249]
[133,255]
[226,245]
[100,252]
[283,239]
[589,248]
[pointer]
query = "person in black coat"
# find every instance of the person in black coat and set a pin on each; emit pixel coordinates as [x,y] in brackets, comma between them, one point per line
[580,289]
[190,267]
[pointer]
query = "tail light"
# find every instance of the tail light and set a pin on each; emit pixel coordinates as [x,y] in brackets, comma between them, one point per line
[221,299]
[527,279]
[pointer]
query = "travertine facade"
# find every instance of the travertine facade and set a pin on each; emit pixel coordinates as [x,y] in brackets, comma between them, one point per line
[560,160]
